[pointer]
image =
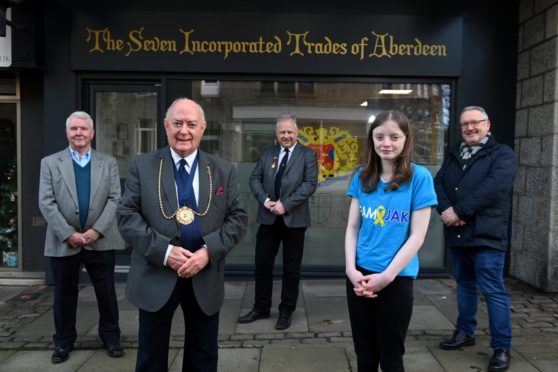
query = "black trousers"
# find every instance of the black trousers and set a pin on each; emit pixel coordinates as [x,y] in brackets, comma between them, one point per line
[65,272]
[200,338]
[268,239]
[379,325]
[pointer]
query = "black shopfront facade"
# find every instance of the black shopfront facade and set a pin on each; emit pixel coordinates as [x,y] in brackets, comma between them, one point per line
[335,66]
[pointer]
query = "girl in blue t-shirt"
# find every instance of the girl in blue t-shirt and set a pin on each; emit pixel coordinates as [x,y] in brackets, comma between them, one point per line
[388,220]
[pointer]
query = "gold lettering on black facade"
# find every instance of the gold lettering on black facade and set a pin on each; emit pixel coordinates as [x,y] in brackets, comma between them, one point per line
[385,46]
[226,47]
[294,44]
[302,45]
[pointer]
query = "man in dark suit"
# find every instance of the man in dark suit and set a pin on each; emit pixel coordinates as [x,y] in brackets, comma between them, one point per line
[283,180]
[78,194]
[181,214]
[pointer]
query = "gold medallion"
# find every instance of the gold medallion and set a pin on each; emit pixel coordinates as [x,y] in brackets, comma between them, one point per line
[185,215]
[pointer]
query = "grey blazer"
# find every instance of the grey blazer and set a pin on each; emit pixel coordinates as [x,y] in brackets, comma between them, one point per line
[298,183]
[58,202]
[143,226]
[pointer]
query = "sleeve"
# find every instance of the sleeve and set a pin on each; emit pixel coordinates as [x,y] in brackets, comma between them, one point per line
[221,241]
[150,244]
[256,182]
[439,185]
[308,185]
[354,186]
[106,219]
[49,206]
[423,190]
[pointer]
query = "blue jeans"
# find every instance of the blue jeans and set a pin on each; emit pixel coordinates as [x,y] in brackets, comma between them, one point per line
[482,267]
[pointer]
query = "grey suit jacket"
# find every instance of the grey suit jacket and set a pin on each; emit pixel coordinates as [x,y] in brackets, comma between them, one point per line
[143,226]
[58,202]
[298,183]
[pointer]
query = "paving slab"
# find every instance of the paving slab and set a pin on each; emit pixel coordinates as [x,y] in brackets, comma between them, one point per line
[327,314]
[4,354]
[230,360]
[128,322]
[43,326]
[476,357]
[421,361]
[432,287]
[429,318]
[324,288]
[303,358]
[100,361]
[228,316]
[234,290]
[8,291]
[39,361]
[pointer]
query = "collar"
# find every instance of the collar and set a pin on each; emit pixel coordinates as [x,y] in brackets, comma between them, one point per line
[291,149]
[75,155]
[189,159]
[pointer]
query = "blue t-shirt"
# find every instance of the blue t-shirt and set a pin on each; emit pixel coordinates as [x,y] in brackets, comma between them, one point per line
[386,217]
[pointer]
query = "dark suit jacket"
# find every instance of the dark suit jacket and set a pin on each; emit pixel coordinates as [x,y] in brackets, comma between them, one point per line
[58,202]
[298,183]
[143,226]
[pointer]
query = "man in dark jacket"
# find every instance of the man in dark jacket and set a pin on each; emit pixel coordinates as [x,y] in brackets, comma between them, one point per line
[474,188]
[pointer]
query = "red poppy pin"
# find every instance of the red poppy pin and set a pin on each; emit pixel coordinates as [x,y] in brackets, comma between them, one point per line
[274,162]
[219,191]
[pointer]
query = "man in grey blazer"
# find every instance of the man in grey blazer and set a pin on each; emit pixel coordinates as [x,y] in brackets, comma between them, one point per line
[78,194]
[283,180]
[181,214]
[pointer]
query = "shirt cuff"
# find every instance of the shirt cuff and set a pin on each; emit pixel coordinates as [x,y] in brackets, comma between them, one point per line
[169,248]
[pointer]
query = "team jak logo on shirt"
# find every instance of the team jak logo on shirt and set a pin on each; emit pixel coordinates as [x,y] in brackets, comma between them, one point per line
[381,216]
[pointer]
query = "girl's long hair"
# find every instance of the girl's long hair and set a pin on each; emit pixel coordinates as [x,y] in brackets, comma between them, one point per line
[402,169]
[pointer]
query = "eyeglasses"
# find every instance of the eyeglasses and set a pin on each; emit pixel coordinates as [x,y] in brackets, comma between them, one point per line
[474,123]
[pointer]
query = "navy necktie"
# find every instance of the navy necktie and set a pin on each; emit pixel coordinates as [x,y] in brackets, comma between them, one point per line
[190,235]
[280,172]
[183,172]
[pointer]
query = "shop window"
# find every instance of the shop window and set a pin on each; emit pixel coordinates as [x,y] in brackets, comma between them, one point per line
[9,247]
[125,125]
[333,120]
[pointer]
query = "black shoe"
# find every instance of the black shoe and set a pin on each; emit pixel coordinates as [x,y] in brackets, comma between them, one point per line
[458,340]
[252,316]
[284,321]
[61,353]
[114,350]
[500,360]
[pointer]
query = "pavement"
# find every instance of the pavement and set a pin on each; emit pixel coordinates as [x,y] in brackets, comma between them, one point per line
[319,338]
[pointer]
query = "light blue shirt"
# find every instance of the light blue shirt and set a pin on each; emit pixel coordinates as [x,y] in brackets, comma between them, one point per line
[386,219]
[85,159]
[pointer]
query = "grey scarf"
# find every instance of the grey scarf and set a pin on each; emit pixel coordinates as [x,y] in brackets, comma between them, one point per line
[466,153]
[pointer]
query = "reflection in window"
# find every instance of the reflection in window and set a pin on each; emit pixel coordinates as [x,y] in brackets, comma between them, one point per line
[333,120]
[125,125]
[9,249]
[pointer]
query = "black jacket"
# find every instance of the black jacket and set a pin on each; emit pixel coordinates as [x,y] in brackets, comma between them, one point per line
[480,195]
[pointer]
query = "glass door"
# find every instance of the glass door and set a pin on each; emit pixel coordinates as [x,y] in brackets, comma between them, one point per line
[126,124]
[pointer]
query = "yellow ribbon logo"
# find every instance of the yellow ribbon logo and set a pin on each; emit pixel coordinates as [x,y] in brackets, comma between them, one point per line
[380,212]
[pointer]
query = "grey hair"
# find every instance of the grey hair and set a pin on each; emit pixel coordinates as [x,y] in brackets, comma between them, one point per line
[476,108]
[171,107]
[287,116]
[80,115]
